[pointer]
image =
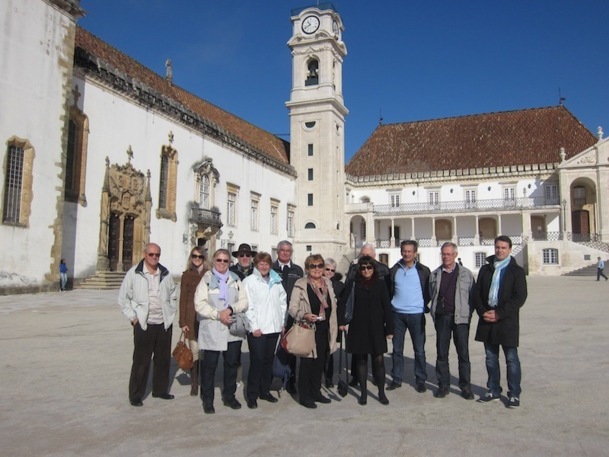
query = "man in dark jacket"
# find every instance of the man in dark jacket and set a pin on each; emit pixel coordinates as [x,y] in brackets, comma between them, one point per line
[289,272]
[245,262]
[499,293]
[409,303]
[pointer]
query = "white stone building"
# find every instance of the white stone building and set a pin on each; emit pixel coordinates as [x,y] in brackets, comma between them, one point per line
[101,155]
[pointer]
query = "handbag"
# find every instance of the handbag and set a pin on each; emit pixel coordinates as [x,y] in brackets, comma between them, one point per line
[350,304]
[300,339]
[239,326]
[183,354]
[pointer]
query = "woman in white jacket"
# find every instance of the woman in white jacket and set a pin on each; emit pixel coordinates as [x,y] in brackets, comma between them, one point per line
[218,297]
[267,305]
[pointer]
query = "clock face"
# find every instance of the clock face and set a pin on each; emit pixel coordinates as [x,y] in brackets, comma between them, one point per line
[310,24]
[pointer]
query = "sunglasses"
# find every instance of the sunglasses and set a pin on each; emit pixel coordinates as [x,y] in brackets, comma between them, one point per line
[366,267]
[245,255]
[316,265]
[197,256]
[330,269]
[153,254]
[222,260]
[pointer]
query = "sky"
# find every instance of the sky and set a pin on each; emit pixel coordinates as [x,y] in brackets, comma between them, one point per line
[407,60]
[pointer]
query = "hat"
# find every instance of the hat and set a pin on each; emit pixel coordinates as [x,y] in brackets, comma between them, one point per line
[244,249]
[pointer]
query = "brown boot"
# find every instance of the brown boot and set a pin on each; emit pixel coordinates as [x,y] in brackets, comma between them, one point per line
[194,379]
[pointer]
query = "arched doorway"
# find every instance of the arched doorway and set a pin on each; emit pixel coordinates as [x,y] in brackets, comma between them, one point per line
[583,206]
[487,229]
[444,230]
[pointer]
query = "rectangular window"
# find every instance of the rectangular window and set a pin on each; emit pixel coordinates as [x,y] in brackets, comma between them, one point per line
[551,192]
[13,185]
[290,221]
[480,259]
[362,229]
[310,199]
[509,193]
[204,192]
[274,217]
[394,200]
[309,248]
[231,209]
[71,158]
[163,181]
[310,174]
[254,213]
[550,256]
[230,247]
[310,150]
[434,198]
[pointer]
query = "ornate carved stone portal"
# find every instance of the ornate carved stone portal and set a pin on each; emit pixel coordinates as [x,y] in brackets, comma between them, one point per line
[124,217]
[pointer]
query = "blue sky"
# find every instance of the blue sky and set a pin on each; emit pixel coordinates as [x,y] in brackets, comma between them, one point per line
[407,60]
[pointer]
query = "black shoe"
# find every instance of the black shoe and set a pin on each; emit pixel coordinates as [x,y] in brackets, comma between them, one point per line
[383,400]
[252,404]
[421,387]
[308,404]
[164,396]
[329,383]
[394,385]
[233,403]
[362,400]
[291,387]
[322,399]
[268,397]
[136,402]
[353,382]
[467,394]
[208,409]
[441,392]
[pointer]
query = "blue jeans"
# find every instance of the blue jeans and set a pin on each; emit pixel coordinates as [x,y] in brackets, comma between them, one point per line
[445,326]
[415,324]
[494,373]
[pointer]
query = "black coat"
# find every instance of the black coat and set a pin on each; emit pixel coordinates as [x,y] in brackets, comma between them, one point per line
[512,295]
[372,319]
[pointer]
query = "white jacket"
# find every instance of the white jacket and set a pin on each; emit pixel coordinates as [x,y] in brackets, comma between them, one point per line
[133,296]
[267,302]
[213,334]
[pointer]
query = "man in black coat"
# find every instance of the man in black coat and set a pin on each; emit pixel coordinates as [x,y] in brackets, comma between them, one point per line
[290,272]
[500,292]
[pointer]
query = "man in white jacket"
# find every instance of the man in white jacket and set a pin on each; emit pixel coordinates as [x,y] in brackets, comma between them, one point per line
[147,298]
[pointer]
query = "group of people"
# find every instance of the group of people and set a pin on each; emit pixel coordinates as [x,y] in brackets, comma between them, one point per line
[258,300]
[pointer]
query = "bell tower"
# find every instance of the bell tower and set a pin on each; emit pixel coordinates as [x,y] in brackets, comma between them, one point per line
[317,127]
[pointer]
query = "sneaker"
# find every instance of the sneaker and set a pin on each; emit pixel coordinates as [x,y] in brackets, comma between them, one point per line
[513,402]
[488,397]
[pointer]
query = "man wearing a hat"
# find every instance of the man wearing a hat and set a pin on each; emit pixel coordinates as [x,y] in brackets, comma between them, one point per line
[244,266]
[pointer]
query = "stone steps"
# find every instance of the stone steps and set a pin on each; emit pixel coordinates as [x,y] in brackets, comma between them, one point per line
[590,270]
[102,280]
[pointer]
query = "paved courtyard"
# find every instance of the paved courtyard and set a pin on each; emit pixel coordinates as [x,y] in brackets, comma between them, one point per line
[66,360]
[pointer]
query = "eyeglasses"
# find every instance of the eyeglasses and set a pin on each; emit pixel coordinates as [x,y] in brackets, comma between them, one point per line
[244,255]
[197,256]
[366,267]
[330,269]
[153,254]
[222,260]
[316,265]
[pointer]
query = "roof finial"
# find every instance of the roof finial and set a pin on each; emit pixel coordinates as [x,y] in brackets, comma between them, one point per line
[562,154]
[168,70]
[561,99]
[599,130]
[381,116]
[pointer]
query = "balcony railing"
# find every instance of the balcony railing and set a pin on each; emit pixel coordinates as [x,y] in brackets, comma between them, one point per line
[205,216]
[466,206]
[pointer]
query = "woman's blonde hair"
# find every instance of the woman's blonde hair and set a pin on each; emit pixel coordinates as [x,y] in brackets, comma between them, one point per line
[201,251]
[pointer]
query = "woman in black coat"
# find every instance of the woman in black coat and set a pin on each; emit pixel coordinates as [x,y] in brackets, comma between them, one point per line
[370,327]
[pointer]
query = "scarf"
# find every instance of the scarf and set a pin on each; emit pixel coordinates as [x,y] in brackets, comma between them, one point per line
[222,287]
[321,294]
[493,293]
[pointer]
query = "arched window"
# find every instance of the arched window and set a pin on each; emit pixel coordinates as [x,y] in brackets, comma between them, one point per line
[309,225]
[312,73]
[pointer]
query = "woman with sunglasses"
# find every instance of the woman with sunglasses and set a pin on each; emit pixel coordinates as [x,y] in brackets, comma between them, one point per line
[189,324]
[313,301]
[219,295]
[370,327]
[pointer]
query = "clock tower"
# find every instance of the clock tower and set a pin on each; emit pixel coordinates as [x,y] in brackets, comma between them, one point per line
[317,131]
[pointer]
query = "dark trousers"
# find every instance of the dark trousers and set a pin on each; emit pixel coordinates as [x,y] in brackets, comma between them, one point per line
[262,351]
[445,328]
[309,376]
[154,341]
[599,273]
[231,363]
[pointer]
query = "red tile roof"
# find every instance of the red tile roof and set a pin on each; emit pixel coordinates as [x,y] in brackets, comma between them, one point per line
[523,137]
[137,78]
